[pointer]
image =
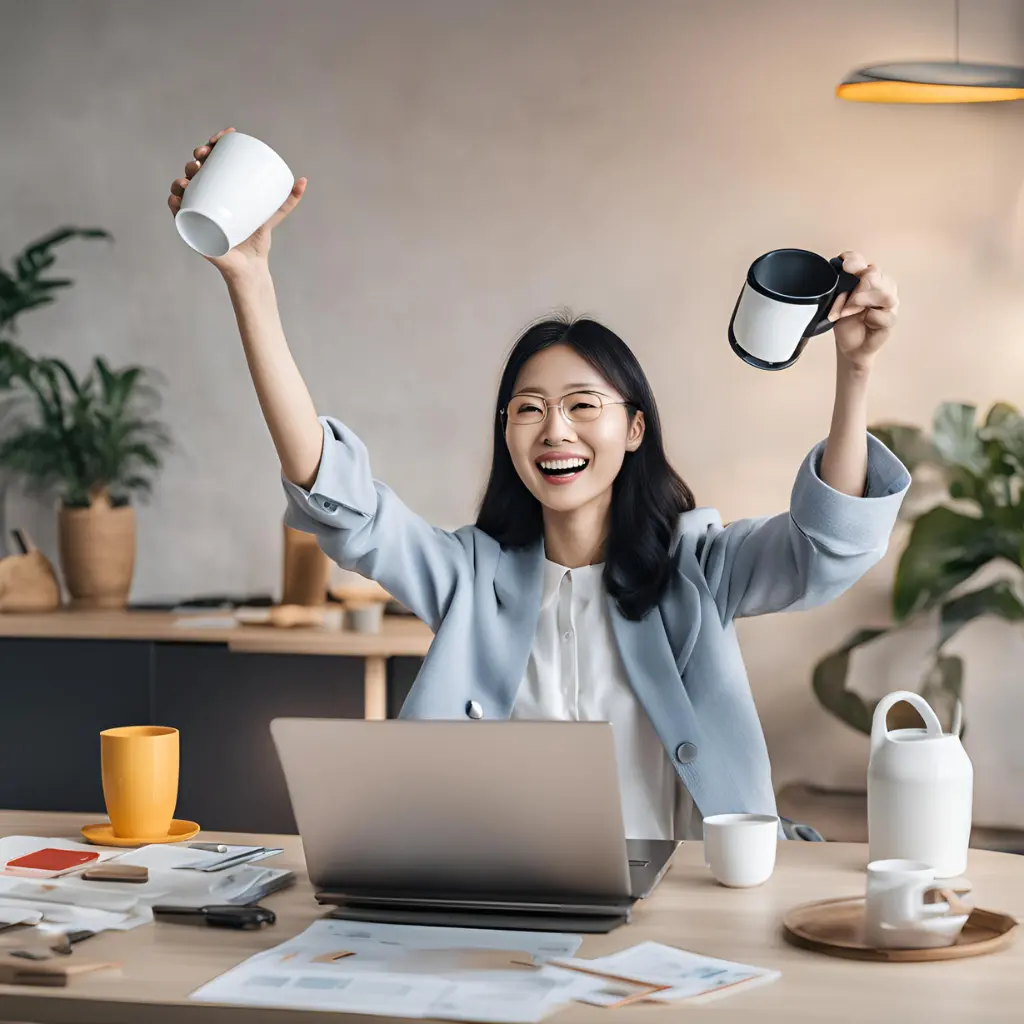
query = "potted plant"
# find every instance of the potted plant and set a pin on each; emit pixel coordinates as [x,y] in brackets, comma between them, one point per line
[90,439]
[979,522]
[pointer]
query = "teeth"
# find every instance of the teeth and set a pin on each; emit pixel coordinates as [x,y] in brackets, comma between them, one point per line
[563,464]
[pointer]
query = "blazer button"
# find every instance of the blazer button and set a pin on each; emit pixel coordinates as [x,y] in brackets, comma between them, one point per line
[686,752]
[473,709]
[329,506]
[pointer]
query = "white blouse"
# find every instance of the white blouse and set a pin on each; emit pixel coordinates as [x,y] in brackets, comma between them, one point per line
[575,672]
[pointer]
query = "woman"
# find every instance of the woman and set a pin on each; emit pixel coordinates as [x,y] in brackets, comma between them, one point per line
[590,587]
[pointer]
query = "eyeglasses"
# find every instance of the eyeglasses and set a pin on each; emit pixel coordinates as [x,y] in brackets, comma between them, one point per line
[577,407]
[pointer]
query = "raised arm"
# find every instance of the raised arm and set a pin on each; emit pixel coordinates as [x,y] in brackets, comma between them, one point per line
[282,393]
[846,495]
[358,522]
[862,322]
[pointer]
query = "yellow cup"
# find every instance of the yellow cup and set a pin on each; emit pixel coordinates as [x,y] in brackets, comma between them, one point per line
[140,779]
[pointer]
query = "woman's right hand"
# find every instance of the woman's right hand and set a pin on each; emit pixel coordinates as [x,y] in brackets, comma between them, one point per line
[256,248]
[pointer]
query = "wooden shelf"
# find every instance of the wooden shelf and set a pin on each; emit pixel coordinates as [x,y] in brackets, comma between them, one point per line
[401,635]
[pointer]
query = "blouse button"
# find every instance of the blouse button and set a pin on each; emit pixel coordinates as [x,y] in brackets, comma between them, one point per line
[686,752]
[329,506]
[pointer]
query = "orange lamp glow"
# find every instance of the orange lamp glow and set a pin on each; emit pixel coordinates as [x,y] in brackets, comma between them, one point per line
[933,82]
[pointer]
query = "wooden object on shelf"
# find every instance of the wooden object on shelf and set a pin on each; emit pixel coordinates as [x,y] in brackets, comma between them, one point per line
[27,580]
[97,552]
[284,616]
[307,570]
[836,928]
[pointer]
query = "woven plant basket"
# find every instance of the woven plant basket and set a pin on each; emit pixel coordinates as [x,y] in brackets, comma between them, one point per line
[97,553]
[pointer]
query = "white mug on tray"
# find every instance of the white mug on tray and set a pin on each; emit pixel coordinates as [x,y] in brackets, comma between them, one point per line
[896,915]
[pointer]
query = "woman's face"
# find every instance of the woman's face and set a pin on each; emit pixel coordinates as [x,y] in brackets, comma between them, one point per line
[568,459]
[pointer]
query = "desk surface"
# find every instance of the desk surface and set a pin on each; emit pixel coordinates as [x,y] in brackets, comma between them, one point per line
[162,963]
[401,634]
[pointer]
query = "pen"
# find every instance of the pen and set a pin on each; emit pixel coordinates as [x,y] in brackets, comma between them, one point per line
[212,847]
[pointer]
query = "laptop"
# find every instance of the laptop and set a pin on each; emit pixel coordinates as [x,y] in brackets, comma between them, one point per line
[506,824]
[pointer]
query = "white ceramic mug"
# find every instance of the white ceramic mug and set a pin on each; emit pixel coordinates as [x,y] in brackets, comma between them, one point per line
[238,189]
[896,915]
[740,848]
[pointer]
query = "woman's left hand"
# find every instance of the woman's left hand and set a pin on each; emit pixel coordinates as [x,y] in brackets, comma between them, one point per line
[863,318]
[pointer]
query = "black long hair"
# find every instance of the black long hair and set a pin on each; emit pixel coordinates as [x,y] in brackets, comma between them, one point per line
[647,495]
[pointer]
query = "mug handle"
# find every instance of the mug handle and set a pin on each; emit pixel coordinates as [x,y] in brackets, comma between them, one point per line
[952,907]
[847,282]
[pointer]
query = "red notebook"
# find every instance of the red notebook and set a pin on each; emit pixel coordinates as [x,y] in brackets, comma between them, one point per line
[49,861]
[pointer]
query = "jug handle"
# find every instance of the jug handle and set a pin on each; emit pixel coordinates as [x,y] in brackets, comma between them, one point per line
[879,730]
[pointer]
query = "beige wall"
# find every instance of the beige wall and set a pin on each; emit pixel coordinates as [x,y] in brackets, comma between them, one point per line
[475,163]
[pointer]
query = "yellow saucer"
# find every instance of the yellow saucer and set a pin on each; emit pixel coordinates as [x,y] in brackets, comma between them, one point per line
[103,834]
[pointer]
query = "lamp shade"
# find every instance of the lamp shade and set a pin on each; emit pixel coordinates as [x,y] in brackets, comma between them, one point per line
[933,82]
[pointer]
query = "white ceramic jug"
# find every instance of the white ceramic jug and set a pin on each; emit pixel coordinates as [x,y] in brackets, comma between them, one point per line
[920,790]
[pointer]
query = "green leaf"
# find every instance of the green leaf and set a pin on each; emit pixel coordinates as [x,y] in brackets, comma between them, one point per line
[907,443]
[30,264]
[69,377]
[944,549]
[8,288]
[1004,436]
[998,599]
[829,683]
[1001,413]
[956,438]
[27,290]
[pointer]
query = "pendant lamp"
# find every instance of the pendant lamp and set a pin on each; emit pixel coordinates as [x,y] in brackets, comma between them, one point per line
[934,81]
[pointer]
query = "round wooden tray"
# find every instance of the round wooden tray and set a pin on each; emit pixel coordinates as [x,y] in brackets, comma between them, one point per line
[836,928]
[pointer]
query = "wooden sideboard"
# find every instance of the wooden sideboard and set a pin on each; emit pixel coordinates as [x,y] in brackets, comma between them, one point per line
[400,635]
[66,675]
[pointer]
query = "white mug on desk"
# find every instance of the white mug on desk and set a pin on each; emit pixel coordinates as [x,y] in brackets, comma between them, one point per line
[740,848]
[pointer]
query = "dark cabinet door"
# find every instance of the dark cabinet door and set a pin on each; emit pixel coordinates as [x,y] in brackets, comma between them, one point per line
[57,696]
[222,704]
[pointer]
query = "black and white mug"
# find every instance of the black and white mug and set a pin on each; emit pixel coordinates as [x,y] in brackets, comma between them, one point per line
[784,302]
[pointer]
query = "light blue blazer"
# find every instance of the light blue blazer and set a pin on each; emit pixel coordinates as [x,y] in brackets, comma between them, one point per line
[682,659]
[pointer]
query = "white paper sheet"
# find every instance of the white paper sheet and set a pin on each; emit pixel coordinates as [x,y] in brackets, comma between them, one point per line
[688,975]
[309,971]
[16,913]
[64,917]
[120,905]
[541,945]
[206,622]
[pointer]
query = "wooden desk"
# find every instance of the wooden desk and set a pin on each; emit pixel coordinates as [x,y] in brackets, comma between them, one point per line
[162,963]
[401,635]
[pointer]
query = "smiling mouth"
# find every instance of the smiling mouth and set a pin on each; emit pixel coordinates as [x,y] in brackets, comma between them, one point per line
[562,469]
